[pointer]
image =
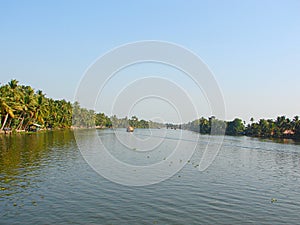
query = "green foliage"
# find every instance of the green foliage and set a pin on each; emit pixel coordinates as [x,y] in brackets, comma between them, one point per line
[125,122]
[235,127]
[119,123]
[217,127]
[296,127]
[282,127]
[102,121]
[206,126]
[21,106]
[172,126]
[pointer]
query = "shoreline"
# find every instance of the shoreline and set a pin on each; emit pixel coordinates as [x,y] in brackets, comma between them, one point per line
[284,140]
[13,132]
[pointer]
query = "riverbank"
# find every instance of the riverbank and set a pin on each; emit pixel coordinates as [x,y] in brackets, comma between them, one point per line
[12,132]
[284,140]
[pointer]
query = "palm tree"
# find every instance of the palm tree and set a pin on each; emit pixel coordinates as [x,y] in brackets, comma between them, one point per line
[20,106]
[66,113]
[30,105]
[41,109]
[9,102]
[13,84]
[5,110]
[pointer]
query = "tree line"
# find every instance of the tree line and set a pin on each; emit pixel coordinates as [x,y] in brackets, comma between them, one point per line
[21,106]
[134,121]
[281,127]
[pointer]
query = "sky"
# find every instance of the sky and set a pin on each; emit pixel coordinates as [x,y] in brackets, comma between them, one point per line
[251,47]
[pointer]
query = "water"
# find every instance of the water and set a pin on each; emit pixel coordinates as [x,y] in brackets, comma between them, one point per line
[45,180]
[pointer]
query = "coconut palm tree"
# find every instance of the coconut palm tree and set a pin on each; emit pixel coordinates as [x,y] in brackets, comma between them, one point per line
[41,109]
[9,102]
[6,111]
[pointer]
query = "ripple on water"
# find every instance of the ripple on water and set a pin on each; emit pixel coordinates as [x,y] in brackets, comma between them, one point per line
[45,180]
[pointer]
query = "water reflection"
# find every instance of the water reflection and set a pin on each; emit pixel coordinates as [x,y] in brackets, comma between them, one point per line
[280,140]
[44,179]
[22,156]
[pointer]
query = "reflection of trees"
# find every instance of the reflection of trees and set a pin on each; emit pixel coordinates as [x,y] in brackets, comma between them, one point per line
[22,156]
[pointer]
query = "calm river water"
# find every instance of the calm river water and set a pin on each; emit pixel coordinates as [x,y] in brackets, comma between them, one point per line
[45,180]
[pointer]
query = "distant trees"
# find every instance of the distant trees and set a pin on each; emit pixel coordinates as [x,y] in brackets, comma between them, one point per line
[125,122]
[296,127]
[282,127]
[83,117]
[235,127]
[134,121]
[119,123]
[155,125]
[217,127]
[206,126]
[102,120]
[172,126]
[143,124]
[21,106]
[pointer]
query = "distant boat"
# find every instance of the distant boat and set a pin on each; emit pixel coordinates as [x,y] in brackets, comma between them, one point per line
[130,129]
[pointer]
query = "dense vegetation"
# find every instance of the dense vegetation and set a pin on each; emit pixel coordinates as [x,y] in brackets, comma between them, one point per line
[85,118]
[282,127]
[21,106]
[134,122]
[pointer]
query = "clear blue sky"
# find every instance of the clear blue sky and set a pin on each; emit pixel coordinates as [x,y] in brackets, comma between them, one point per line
[252,47]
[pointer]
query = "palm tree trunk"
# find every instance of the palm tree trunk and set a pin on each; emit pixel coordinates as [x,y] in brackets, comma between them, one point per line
[21,123]
[6,117]
[9,122]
